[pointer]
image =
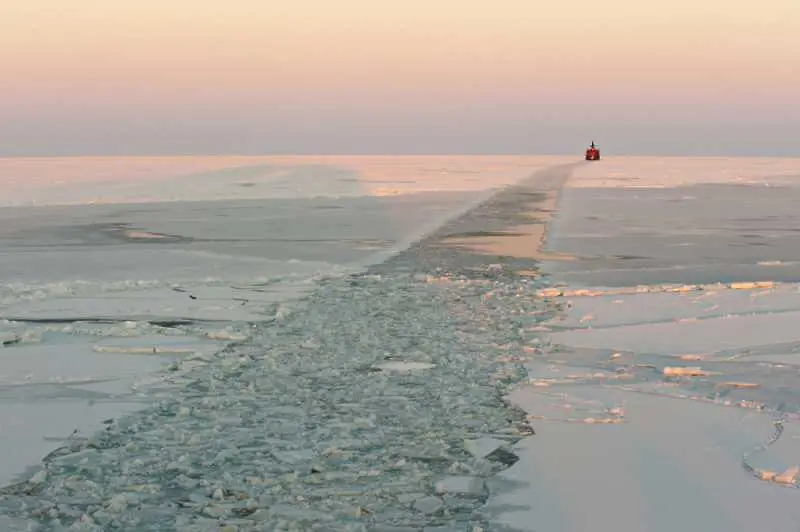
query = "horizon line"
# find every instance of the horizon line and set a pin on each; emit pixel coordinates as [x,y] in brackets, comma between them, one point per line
[578,154]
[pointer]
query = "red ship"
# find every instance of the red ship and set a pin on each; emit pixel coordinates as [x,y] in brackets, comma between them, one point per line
[592,154]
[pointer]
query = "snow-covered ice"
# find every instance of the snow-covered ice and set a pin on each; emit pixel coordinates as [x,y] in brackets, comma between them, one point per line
[664,392]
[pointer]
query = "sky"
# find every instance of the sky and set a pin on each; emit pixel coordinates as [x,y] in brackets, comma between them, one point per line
[171,77]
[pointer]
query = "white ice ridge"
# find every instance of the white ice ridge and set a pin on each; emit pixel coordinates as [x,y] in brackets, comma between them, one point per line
[657,288]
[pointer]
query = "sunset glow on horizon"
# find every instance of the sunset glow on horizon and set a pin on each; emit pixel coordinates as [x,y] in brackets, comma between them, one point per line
[248,76]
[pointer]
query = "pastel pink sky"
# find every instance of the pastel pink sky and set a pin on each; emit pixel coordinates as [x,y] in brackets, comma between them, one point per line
[264,76]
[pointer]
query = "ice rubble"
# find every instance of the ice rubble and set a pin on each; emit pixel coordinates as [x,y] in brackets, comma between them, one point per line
[297,417]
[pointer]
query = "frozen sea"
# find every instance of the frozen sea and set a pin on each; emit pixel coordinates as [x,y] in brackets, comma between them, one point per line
[120,277]
[667,394]
[362,344]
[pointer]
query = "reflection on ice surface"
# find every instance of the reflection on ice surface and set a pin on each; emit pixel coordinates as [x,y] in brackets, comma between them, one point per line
[83,180]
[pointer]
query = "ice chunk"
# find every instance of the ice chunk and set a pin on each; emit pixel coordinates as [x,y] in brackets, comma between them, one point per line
[11,523]
[483,447]
[790,476]
[229,336]
[298,513]
[293,457]
[8,338]
[428,505]
[155,345]
[461,485]
[692,371]
[400,365]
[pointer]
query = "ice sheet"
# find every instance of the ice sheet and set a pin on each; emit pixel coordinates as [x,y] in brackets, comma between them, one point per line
[670,172]
[701,336]
[64,386]
[618,309]
[187,303]
[49,181]
[673,465]
[664,393]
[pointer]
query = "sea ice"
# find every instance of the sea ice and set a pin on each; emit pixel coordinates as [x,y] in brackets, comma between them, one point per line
[461,485]
[402,365]
[175,345]
[483,447]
